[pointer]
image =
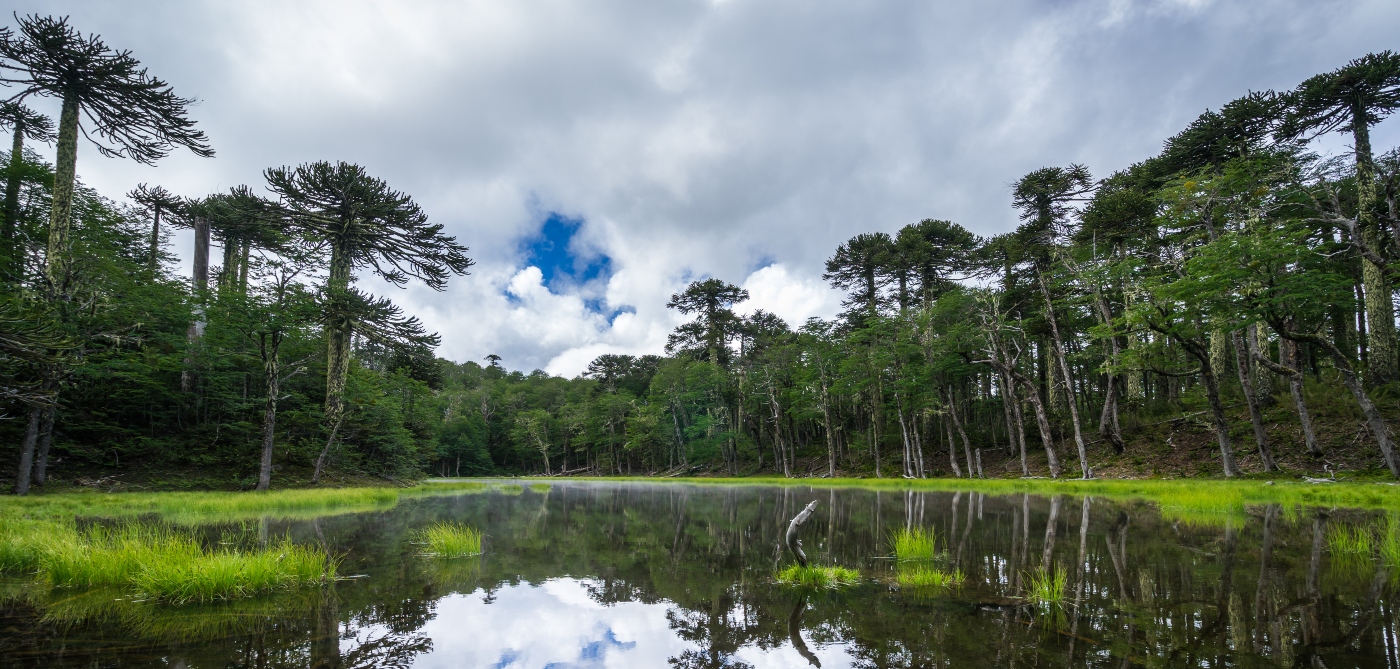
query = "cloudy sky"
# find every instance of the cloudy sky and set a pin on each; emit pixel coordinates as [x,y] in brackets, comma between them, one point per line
[597,156]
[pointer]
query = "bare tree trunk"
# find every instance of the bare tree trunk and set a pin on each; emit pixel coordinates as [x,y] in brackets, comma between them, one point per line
[1256,417]
[1068,379]
[957,423]
[273,369]
[952,450]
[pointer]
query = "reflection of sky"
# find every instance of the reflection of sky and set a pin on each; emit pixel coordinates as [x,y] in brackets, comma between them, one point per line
[556,625]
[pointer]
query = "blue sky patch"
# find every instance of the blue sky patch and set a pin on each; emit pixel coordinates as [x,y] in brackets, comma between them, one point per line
[563,262]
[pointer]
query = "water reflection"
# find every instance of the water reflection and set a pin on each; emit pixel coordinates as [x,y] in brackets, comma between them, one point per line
[642,575]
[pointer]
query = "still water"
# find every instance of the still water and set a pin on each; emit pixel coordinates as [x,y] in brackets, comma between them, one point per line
[655,575]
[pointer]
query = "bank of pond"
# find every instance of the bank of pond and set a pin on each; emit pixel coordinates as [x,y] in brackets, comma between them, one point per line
[553,572]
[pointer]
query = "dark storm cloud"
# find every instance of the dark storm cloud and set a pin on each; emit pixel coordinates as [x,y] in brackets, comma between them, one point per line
[697,138]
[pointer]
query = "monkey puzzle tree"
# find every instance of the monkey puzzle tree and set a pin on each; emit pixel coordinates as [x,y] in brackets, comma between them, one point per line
[1043,197]
[130,113]
[25,124]
[365,224]
[858,268]
[1352,99]
[155,201]
[708,336]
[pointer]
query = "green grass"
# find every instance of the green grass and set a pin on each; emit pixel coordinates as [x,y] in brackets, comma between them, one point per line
[540,488]
[448,540]
[1196,501]
[914,544]
[1046,586]
[818,577]
[207,507]
[157,562]
[510,489]
[924,577]
[1351,540]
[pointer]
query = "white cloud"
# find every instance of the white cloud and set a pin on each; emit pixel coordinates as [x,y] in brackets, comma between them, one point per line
[696,138]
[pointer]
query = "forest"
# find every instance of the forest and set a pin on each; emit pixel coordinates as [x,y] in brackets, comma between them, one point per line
[1223,308]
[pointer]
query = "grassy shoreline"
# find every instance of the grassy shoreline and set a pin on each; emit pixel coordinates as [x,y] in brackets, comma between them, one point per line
[1185,492]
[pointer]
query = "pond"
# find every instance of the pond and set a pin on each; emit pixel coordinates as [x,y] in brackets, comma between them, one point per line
[593,574]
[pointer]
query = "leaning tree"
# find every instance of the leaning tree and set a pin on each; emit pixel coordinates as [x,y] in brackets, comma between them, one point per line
[25,124]
[365,224]
[129,113]
[1352,99]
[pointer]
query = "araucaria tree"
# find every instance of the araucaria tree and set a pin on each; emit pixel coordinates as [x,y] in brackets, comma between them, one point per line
[130,113]
[24,123]
[363,224]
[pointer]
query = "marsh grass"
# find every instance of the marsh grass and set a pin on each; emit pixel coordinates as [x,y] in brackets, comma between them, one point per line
[914,544]
[924,577]
[541,488]
[158,562]
[510,489]
[448,540]
[828,578]
[1046,586]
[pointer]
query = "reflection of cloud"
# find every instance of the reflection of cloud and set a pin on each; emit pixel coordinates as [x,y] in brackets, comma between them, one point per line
[554,625]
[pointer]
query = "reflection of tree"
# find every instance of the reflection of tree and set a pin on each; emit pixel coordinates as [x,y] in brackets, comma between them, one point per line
[715,631]
[386,648]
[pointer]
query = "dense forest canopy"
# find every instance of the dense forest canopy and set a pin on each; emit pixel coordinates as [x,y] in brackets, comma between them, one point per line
[1226,306]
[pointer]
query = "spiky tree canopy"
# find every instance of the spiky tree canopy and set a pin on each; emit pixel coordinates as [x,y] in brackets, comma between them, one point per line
[1043,199]
[32,125]
[857,268]
[367,223]
[1361,93]
[130,113]
[708,336]
[155,198]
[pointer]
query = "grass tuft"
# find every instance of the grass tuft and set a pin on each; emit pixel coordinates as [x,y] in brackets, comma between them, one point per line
[1046,586]
[924,577]
[915,544]
[540,488]
[449,540]
[818,577]
[207,577]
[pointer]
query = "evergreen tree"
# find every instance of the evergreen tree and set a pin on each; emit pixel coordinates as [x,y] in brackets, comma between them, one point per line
[24,123]
[364,224]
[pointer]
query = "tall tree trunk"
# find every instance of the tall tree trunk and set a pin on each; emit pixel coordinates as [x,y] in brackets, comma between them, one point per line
[952,450]
[58,269]
[1204,352]
[1256,416]
[200,283]
[1068,379]
[41,462]
[153,259]
[26,450]
[1019,421]
[13,257]
[338,335]
[1258,344]
[272,367]
[830,432]
[957,423]
[1382,366]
